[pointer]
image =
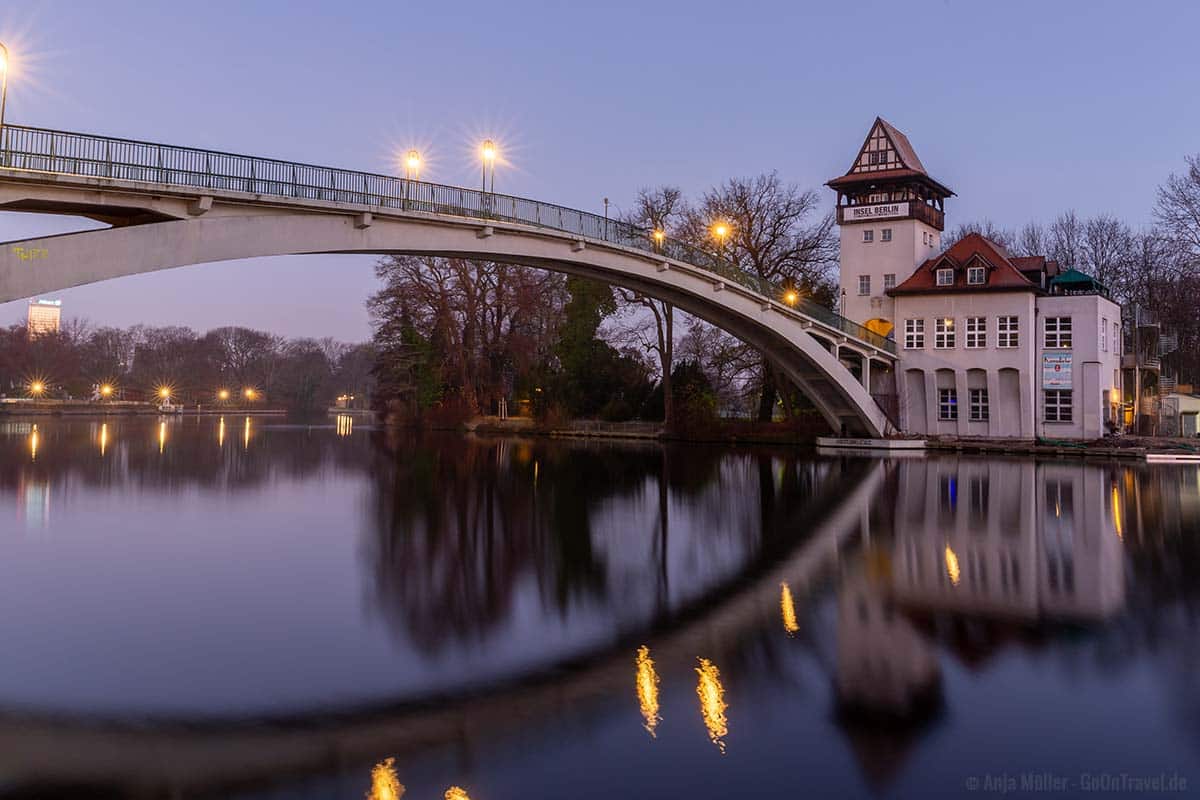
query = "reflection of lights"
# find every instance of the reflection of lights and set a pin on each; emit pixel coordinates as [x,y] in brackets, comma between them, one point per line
[457,793]
[952,566]
[246,435]
[34,441]
[788,608]
[712,701]
[535,474]
[1116,512]
[103,438]
[384,783]
[221,432]
[647,689]
[162,436]
[345,424]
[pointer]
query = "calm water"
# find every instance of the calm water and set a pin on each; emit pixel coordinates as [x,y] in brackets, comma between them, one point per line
[252,609]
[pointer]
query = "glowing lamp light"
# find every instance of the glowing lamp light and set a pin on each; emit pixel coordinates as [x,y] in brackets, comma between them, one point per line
[659,237]
[249,393]
[222,394]
[106,390]
[165,393]
[413,160]
[37,388]
[720,230]
[488,150]
[791,297]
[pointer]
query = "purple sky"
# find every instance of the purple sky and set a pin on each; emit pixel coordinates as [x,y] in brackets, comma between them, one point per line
[1022,108]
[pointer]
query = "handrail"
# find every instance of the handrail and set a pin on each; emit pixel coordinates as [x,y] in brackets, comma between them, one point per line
[63,152]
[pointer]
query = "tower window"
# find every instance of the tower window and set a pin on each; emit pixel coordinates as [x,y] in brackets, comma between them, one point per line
[868,236]
[945,277]
[886,235]
[864,285]
[976,276]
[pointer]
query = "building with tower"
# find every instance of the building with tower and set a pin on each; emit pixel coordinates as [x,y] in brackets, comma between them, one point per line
[990,344]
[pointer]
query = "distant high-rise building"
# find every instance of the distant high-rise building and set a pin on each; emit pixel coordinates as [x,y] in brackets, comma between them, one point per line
[45,317]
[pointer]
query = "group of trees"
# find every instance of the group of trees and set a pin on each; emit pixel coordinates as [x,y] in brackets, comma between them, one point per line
[303,374]
[456,336]
[1156,267]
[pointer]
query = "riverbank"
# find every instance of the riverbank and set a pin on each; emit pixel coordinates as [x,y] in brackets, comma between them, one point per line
[67,408]
[746,432]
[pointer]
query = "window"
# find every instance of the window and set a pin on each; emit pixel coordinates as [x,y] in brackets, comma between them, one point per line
[945,277]
[886,234]
[947,404]
[873,158]
[914,334]
[889,281]
[976,276]
[943,333]
[1104,334]
[864,285]
[1058,332]
[976,333]
[932,240]
[924,237]
[868,236]
[1116,337]
[1008,332]
[979,405]
[1058,405]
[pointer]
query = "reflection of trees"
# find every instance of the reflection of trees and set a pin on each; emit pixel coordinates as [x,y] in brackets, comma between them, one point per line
[69,453]
[461,524]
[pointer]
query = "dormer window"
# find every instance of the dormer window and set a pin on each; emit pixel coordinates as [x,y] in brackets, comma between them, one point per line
[945,277]
[976,276]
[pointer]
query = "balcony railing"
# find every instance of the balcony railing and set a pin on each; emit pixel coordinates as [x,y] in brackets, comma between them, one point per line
[61,152]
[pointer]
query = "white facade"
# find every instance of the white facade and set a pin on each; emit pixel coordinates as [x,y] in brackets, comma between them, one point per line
[960,373]
[881,251]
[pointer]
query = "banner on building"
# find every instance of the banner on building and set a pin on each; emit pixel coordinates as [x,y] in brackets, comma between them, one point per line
[1056,370]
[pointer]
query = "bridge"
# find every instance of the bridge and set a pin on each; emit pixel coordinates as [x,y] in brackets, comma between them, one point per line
[168,206]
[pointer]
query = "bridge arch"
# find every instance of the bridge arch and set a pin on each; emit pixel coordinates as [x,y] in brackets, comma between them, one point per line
[172,223]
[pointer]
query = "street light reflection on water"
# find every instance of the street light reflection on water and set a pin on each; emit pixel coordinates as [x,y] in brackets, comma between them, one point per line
[787,607]
[647,689]
[712,702]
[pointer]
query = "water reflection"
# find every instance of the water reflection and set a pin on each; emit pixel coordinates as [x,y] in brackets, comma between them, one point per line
[647,689]
[787,608]
[711,692]
[385,784]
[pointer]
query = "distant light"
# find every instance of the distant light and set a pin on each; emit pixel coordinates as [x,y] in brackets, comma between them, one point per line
[223,394]
[659,236]
[413,160]
[488,150]
[106,390]
[37,388]
[791,297]
[249,393]
[720,230]
[165,393]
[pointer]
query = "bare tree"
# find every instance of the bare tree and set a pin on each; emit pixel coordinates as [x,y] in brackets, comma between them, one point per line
[1066,239]
[1031,241]
[985,228]
[1178,210]
[775,231]
[1106,249]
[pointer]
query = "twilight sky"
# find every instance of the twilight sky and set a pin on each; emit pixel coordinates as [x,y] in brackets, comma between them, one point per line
[1023,108]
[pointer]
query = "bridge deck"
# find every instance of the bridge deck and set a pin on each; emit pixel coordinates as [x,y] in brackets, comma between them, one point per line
[40,150]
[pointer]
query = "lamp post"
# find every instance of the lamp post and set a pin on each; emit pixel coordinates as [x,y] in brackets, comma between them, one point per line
[721,231]
[487,152]
[606,219]
[412,171]
[3,100]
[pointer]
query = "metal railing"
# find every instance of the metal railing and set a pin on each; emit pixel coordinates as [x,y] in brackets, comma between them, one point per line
[61,152]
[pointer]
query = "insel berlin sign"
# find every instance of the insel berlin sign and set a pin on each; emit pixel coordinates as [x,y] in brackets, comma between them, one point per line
[1056,370]
[883,211]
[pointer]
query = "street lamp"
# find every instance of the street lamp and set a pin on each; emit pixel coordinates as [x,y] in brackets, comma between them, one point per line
[660,236]
[164,392]
[106,391]
[791,296]
[222,395]
[37,388]
[721,231]
[3,92]
[412,165]
[249,393]
[487,151]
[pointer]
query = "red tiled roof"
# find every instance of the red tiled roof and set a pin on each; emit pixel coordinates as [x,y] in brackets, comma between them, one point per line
[1003,273]
[910,164]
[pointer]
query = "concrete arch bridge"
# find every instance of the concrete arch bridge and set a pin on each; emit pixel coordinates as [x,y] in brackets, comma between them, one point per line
[170,206]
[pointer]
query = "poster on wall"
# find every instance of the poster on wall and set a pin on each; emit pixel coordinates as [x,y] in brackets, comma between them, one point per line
[1056,370]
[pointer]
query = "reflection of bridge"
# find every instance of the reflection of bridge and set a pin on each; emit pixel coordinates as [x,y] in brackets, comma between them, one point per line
[171,206]
[186,757]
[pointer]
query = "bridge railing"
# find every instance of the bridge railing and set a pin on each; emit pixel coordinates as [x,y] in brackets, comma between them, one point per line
[62,152]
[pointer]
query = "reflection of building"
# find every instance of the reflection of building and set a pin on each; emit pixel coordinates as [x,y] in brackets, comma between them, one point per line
[1008,539]
[45,317]
[990,344]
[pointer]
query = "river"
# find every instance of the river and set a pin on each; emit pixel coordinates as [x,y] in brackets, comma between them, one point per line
[255,608]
